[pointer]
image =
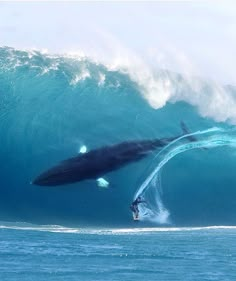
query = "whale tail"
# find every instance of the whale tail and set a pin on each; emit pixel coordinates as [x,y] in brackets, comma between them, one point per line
[186,131]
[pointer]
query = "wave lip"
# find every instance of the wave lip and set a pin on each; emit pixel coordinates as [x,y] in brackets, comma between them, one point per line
[157,86]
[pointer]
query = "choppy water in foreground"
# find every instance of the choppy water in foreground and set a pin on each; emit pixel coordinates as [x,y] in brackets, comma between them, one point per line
[54,253]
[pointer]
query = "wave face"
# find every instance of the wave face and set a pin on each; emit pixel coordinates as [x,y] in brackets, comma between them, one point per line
[54,106]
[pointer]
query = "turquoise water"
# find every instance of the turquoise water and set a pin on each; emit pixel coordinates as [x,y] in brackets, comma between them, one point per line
[117,254]
[52,105]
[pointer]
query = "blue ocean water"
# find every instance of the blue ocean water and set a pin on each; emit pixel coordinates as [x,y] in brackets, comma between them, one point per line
[56,253]
[51,106]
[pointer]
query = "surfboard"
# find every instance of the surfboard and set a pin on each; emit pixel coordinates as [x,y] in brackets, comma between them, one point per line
[135,218]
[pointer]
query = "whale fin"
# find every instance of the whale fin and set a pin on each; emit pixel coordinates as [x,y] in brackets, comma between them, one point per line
[83,149]
[187,132]
[101,182]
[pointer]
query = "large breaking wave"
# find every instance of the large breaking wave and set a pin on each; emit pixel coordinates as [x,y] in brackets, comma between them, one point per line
[53,105]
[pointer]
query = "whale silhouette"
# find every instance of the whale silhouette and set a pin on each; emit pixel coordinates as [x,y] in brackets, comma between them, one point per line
[98,162]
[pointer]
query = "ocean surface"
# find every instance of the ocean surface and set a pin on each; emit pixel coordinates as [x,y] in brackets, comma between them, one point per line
[57,253]
[52,107]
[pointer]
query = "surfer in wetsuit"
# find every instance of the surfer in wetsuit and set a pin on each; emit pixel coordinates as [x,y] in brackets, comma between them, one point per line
[134,206]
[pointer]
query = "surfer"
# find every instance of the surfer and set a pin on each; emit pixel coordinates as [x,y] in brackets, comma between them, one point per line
[134,207]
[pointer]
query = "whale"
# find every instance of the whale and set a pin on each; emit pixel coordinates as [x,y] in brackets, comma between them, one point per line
[94,164]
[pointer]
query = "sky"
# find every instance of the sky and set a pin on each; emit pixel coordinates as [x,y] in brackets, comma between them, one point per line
[190,37]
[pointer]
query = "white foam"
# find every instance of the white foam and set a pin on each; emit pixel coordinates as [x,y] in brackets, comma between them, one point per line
[156,89]
[102,78]
[52,67]
[135,231]
[80,77]
[109,231]
[157,86]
